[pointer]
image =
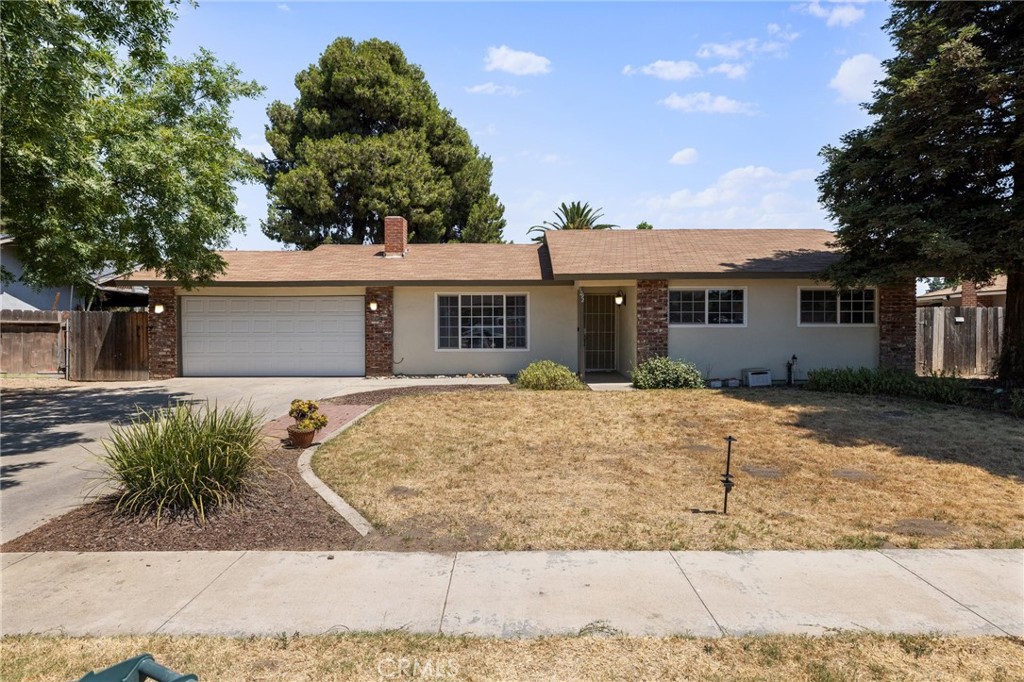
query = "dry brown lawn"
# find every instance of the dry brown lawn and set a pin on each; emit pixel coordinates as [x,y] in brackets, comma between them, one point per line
[589,470]
[382,657]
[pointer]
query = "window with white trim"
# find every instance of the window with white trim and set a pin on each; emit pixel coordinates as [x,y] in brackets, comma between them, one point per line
[481,321]
[828,306]
[708,307]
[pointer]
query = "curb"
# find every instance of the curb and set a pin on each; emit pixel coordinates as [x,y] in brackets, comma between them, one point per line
[347,511]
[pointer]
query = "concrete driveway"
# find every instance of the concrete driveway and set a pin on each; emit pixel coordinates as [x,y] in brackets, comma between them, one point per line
[49,437]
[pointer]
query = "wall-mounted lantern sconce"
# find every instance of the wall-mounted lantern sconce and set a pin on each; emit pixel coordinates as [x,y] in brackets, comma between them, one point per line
[373,306]
[620,297]
[158,308]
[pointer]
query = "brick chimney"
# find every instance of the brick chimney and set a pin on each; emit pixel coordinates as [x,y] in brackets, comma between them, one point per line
[969,295]
[396,236]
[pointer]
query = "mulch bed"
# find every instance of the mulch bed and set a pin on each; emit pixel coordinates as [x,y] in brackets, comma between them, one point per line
[284,513]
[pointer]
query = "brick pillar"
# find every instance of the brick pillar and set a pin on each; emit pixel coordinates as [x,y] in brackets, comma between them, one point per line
[651,319]
[969,295]
[380,331]
[897,326]
[163,333]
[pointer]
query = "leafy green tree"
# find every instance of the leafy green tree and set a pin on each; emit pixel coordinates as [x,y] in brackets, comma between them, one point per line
[111,153]
[936,283]
[575,216]
[367,138]
[934,184]
[644,225]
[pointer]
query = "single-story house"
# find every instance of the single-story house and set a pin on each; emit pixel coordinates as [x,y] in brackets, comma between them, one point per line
[989,295]
[596,301]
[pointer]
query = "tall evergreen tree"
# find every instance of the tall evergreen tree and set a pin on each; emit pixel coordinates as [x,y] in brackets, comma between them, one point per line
[935,184]
[367,138]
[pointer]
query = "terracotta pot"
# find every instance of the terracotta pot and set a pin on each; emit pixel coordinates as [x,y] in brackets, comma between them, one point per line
[300,439]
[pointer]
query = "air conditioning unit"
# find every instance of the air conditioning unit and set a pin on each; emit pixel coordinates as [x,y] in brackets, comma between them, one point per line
[757,376]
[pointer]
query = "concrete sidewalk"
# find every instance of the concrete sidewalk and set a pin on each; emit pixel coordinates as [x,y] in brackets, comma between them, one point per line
[514,594]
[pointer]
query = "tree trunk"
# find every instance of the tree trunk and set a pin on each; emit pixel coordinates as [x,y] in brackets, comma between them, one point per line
[1011,362]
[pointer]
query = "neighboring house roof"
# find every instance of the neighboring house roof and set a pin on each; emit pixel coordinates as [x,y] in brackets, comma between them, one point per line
[996,288]
[567,255]
[637,253]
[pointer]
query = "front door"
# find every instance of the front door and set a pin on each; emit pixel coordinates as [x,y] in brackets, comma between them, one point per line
[599,333]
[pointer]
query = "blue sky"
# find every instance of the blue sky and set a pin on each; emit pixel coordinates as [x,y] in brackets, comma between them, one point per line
[683,114]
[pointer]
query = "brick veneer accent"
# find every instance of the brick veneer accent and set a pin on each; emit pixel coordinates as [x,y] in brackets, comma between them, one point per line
[396,236]
[651,319]
[380,332]
[897,326]
[163,334]
[969,295]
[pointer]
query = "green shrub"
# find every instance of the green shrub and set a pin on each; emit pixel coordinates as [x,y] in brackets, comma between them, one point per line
[1017,402]
[545,375]
[667,373]
[186,459]
[937,388]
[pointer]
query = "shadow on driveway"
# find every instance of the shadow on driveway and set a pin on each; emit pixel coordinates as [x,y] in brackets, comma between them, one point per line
[37,420]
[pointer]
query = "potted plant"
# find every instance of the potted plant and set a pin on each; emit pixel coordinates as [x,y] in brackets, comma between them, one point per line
[308,421]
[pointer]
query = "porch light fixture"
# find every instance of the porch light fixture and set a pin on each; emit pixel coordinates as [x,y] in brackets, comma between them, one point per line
[620,298]
[373,306]
[158,308]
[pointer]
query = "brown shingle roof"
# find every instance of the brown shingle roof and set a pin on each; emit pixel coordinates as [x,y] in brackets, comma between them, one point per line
[568,254]
[611,253]
[358,264]
[998,286]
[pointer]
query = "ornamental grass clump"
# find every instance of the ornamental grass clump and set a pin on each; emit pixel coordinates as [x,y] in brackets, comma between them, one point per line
[188,459]
[546,375]
[662,372]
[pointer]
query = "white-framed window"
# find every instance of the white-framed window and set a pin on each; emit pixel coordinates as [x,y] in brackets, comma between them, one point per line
[482,322]
[827,307]
[708,306]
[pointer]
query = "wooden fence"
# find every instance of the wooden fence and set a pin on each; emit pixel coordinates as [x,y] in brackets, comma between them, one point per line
[84,345]
[961,341]
[31,341]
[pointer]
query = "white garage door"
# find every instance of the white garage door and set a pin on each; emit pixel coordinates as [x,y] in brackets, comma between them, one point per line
[272,336]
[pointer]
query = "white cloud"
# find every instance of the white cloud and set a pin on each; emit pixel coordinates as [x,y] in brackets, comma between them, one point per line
[747,197]
[494,89]
[740,48]
[684,157]
[284,8]
[844,15]
[506,59]
[786,34]
[856,78]
[731,70]
[666,70]
[705,102]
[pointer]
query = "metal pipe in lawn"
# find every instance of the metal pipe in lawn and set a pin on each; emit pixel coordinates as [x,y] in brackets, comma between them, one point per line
[727,477]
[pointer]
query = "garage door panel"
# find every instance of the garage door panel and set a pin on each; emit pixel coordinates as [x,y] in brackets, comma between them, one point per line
[273,336]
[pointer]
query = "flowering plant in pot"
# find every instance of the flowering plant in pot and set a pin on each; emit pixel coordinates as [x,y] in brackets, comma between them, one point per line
[308,421]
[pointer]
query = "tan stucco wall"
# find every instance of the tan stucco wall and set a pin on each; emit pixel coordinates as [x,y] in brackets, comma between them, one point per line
[551,332]
[771,335]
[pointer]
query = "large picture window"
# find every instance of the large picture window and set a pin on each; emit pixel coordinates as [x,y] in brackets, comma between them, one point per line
[481,321]
[709,307]
[828,306]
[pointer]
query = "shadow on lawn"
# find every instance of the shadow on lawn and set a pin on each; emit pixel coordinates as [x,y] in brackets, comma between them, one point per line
[36,420]
[942,433]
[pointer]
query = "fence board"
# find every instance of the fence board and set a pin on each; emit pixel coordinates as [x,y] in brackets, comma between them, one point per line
[961,341]
[31,341]
[108,346]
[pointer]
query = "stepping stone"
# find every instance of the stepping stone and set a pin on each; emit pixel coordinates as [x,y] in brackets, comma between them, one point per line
[854,475]
[929,528]
[762,472]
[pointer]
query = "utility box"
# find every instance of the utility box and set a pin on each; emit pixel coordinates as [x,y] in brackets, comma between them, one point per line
[757,376]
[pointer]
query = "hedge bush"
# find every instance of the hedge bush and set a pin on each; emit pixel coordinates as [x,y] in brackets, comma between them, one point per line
[545,375]
[937,388]
[667,373]
[186,459]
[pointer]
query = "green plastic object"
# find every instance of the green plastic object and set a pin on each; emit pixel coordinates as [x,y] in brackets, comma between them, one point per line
[138,669]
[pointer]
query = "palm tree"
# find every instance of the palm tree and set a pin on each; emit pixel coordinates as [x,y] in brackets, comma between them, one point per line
[575,216]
